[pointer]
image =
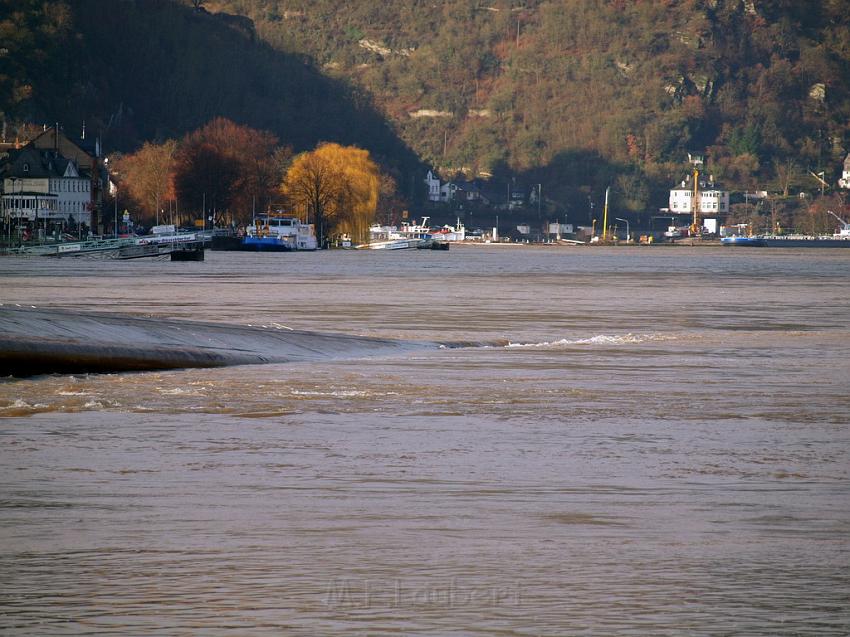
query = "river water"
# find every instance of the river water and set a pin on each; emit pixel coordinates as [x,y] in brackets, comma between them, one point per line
[646,441]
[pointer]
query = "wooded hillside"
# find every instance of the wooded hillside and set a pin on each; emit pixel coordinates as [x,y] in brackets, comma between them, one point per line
[478,84]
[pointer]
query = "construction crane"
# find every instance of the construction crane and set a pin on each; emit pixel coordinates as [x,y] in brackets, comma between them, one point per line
[605,217]
[696,223]
[819,176]
[845,227]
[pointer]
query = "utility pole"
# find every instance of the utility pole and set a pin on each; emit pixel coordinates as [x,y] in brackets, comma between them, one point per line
[539,199]
[628,233]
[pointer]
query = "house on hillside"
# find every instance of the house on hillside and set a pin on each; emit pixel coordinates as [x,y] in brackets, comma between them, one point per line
[460,191]
[844,182]
[470,191]
[713,200]
[438,191]
[433,183]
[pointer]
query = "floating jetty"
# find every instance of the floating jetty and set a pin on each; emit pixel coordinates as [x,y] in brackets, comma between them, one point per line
[154,245]
[42,341]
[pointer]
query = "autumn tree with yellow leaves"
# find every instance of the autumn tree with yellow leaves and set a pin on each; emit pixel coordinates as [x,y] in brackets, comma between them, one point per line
[337,188]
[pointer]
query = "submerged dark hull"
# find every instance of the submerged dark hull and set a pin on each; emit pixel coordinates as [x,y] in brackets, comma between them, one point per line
[783,242]
[35,341]
[806,243]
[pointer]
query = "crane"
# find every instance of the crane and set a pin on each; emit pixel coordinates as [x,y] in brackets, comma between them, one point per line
[819,177]
[695,226]
[845,227]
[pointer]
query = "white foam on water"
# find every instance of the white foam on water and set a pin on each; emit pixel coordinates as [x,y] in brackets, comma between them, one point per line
[178,391]
[337,394]
[601,339]
[22,404]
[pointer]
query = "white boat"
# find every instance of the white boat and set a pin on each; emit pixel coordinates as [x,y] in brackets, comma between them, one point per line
[395,238]
[450,233]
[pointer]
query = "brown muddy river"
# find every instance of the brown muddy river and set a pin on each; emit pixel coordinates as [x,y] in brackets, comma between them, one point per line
[648,441]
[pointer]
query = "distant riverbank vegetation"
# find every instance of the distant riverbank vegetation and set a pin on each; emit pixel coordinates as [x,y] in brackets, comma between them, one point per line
[233,172]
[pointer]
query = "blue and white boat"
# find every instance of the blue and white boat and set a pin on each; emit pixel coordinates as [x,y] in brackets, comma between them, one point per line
[739,240]
[270,233]
[840,239]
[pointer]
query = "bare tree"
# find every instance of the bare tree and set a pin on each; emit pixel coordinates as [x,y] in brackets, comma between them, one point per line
[786,172]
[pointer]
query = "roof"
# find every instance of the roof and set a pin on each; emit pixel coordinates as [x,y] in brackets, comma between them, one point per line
[88,146]
[40,164]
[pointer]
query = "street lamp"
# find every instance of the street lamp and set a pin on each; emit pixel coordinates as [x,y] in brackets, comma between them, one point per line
[14,181]
[628,234]
[8,218]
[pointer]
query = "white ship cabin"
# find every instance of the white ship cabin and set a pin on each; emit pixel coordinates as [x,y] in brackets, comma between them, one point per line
[712,200]
[289,229]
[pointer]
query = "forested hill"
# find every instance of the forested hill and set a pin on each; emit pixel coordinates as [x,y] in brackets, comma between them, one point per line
[139,70]
[479,84]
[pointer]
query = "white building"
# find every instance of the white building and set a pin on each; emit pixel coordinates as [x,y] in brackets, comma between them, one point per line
[712,200]
[433,183]
[844,182]
[43,187]
[447,191]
